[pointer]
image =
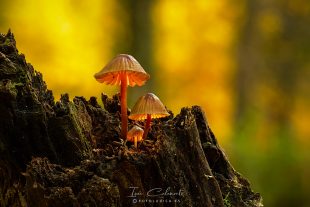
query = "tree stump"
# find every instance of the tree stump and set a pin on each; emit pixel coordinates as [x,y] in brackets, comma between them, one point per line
[69,153]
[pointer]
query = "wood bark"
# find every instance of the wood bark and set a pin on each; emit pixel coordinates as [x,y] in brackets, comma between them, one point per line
[70,153]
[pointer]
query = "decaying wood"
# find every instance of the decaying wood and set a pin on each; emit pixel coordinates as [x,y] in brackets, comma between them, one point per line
[69,153]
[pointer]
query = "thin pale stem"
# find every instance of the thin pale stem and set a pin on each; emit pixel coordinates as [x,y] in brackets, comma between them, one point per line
[147,126]
[124,105]
[136,142]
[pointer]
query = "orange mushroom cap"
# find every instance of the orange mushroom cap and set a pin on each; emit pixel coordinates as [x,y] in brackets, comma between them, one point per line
[122,64]
[135,132]
[148,104]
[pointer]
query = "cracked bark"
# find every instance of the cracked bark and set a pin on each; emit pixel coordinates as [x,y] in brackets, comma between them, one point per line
[69,153]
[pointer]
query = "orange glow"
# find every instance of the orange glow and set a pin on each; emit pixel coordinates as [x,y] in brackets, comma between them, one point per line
[193,41]
[148,105]
[126,65]
[245,62]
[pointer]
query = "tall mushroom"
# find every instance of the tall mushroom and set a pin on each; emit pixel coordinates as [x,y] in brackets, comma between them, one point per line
[123,70]
[148,107]
[135,135]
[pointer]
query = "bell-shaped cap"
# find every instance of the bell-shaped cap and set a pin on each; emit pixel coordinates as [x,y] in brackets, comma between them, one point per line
[135,132]
[148,104]
[122,64]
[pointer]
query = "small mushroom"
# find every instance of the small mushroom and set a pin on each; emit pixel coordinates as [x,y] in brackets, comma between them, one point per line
[148,107]
[135,135]
[123,70]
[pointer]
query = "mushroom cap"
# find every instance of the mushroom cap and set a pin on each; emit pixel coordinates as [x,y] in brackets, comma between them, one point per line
[135,131]
[148,104]
[122,64]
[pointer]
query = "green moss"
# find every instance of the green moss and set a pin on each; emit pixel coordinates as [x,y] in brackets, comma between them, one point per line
[206,145]
[7,41]
[227,201]
[10,88]
[77,124]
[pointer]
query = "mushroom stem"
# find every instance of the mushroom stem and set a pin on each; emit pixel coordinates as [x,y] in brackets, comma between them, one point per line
[147,126]
[124,105]
[136,142]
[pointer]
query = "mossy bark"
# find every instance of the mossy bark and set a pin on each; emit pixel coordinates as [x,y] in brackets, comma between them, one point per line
[92,166]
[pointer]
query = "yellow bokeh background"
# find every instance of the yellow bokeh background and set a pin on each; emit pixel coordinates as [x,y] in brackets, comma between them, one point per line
[245,62]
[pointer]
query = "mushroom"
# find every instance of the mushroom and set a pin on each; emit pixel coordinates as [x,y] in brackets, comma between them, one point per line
[123,70]
[148,107]
[135,135]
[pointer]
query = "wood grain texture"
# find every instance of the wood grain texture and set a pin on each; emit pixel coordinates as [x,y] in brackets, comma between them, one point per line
[69,153]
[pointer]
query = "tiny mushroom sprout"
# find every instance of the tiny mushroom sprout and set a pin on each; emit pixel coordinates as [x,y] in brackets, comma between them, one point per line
[123,70]
[148,107]
[135,135]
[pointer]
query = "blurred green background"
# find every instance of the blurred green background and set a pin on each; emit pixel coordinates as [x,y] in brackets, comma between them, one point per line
[246,62]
